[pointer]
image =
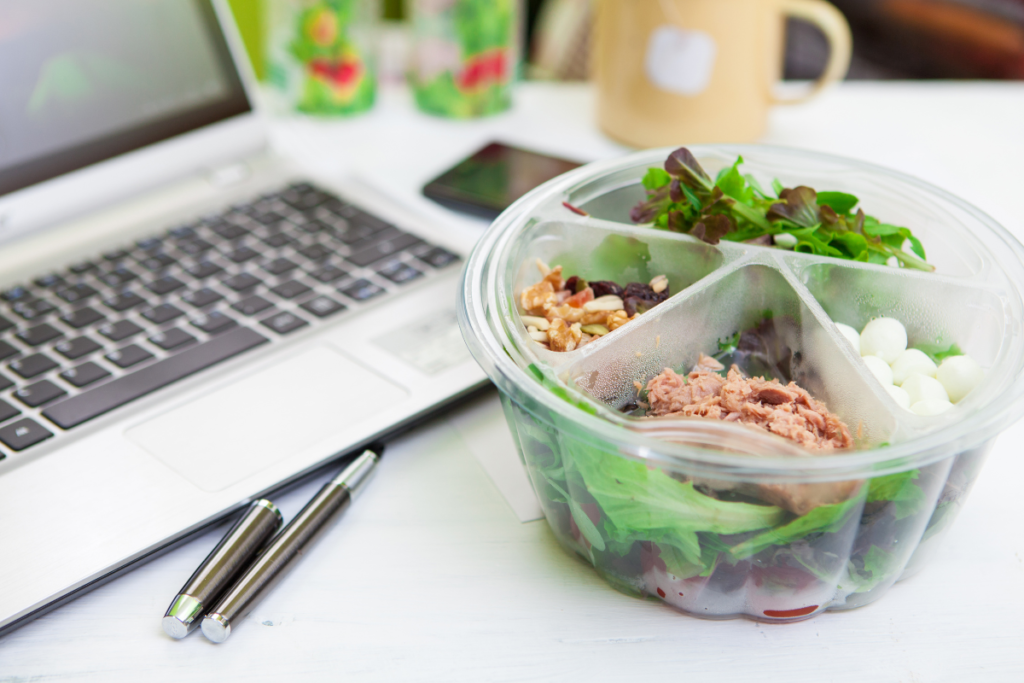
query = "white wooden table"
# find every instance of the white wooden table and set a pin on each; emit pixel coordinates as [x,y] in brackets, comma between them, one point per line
[431,577]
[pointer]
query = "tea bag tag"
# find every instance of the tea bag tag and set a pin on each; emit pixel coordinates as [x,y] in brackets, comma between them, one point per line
[679,60]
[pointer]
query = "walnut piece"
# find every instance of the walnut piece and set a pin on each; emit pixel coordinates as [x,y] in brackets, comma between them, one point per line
[538,299]
[561,337]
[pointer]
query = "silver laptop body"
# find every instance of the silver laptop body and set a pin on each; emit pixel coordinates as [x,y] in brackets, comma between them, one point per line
[234,413]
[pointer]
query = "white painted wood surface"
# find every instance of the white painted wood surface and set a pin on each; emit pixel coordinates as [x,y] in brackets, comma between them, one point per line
[431,577]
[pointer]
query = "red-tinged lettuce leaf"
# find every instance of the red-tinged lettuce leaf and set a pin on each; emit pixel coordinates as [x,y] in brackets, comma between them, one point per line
[647,211]
[799,205]
[683,165]
[712,228]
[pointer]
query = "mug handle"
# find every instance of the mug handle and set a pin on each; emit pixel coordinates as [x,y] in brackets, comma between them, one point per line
[833,24]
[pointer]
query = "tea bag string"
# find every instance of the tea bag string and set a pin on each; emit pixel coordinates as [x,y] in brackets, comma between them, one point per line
[671,12]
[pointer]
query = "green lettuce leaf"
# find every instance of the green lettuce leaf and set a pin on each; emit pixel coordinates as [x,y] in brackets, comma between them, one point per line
[899,488]
[824,519]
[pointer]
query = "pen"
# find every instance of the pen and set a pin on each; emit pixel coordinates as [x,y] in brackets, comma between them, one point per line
[222,567]
[286,547]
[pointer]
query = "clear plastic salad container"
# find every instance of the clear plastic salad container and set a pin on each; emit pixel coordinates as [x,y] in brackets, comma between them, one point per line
[671,508]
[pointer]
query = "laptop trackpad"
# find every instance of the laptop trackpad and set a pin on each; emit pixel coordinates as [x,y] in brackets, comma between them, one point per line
[243,428]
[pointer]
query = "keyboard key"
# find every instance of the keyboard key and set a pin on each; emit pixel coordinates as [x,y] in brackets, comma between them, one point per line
[313,226]
[182,233]
[398,272]
[84,374]
[229,231]
[117,277]
[316,252]
[157,262]
[16,293]
[116,255]
[5,383]
[251,305]
[123,300]
[77,347]
[283,323]
[304,197]
[5,324]
[75,293]
[172,338]
[361,290]
[127,356]
[33,365]
[122,329]
[290,289]
[201,298]
[278,240]
[203,269]
[242,282]
[268,218]
[213,323]
[24,433]
[82,317]
[149,243]
[328,273]
[242,254]
[165,285]
[104,398]
[47,281]
[435,256]
[195,247]
[279,266]
[40,334]
[353,234]
[162,313]
[323,306]
[7,411]
[7,350]
[31,309]
[82,267]
[37,394]
[379,250]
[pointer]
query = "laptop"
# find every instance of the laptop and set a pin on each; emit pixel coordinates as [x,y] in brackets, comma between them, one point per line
[187,321]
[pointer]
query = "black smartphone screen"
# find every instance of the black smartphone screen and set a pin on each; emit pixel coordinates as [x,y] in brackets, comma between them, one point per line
[486,183]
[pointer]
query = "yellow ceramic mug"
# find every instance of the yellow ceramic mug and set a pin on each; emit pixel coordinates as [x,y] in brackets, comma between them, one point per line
[690,71]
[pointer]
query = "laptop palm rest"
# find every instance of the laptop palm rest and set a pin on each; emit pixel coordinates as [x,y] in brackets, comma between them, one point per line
[241,429]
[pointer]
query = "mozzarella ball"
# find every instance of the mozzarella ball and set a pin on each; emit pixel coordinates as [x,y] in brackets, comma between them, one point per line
[930,406]
[924,388]
[852,336]
[901,397]
[909,362]
[885,338]
[879,368]
[959,374]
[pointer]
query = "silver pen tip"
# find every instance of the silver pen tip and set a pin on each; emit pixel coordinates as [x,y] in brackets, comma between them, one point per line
[182,616]
[216,628]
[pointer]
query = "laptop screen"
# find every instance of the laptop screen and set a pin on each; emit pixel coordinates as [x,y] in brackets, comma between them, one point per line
[86,80]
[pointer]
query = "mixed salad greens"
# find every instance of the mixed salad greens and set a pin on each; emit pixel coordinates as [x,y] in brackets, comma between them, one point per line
[623,514]
[682,197]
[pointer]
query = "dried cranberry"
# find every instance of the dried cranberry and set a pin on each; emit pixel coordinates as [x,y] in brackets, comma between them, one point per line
[570,284]
[605,287]
[640,298]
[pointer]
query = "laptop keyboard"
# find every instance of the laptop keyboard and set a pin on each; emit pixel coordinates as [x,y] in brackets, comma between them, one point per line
[79,343]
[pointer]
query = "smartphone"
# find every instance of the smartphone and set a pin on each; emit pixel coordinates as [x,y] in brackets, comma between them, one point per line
[486,183]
